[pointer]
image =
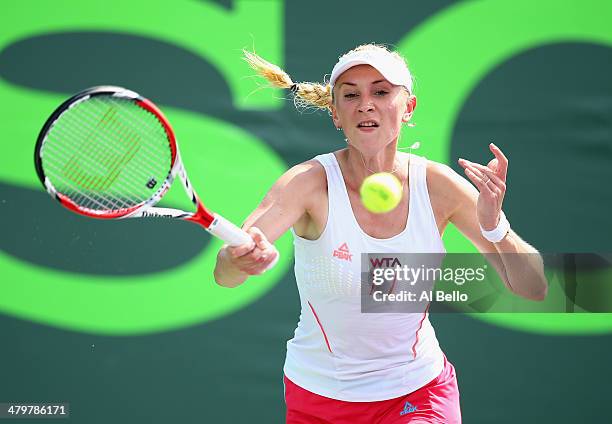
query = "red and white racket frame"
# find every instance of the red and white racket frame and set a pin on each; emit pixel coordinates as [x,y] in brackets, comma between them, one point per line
[212,222]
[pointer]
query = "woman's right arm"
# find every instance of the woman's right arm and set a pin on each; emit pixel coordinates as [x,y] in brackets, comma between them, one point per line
[289,199]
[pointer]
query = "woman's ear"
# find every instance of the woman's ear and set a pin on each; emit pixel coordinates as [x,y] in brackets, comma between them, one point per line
[410,107]
[334,116]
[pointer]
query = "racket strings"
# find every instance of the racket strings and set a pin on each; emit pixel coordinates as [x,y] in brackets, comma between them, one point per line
[87,156]
[107,153]
[106,159]
[160,150]
[94,170]
[152,133]
[84,160]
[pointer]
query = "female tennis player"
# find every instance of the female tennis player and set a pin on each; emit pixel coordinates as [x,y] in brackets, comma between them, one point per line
[343,366]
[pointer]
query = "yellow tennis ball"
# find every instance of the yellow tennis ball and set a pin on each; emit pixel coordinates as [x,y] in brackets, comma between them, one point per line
[381,192]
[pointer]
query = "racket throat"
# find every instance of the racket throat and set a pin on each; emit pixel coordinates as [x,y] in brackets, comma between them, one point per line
[203,217]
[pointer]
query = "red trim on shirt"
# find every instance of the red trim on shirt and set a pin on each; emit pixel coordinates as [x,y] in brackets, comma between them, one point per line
[417,332]
[320,326]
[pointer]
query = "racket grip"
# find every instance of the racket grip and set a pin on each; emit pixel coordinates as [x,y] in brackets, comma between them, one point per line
[228,232]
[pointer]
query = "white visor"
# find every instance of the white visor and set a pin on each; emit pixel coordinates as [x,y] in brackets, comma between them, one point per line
[394,70]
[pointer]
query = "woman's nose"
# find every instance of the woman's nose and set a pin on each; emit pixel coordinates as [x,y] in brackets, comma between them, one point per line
[366,105]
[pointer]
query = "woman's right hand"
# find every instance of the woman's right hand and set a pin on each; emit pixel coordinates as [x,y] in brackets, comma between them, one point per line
[255,257]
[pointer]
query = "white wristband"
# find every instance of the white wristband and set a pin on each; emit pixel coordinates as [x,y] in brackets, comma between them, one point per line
[498,233]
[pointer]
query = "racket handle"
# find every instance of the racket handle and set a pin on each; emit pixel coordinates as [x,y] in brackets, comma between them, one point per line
[228,232]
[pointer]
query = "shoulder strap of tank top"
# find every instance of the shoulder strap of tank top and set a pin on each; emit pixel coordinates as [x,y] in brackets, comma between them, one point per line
[418,171]
[339,203]
[418,189]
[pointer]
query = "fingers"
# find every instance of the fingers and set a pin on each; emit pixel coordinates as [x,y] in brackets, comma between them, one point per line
[241,250]
[502,161]
[258,237]
[499,165]
[493,165]
[255,257]
[485,173]
[482,177]
[477,178]
[258,261]
[266,261]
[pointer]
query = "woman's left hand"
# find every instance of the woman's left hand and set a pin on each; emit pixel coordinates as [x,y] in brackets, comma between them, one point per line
[491,183]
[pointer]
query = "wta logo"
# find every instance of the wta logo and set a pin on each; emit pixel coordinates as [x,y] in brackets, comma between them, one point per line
[384,262]
[343,253]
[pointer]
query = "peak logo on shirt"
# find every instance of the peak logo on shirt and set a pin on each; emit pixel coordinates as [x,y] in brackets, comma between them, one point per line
[343,253]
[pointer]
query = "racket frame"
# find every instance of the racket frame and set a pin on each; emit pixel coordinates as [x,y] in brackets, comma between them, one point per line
[212,222]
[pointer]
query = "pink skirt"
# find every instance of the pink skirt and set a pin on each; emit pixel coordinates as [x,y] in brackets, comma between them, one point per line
[436,402]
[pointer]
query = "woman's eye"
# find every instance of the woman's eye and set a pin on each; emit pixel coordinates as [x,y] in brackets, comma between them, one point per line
[350,95]
[382,92]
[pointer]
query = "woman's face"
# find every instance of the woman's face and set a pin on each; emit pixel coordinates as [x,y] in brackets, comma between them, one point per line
[370,109]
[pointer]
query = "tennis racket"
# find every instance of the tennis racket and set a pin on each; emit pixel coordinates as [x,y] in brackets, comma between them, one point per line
[109,153]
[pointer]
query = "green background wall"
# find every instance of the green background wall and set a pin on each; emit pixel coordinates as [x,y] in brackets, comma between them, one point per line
[104,316]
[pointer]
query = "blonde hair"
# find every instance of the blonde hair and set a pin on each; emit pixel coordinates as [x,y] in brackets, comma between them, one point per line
[306,94]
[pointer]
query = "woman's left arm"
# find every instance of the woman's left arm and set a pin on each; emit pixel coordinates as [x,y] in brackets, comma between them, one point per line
[519,264]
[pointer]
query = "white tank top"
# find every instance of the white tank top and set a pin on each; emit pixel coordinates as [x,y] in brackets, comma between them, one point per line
[337,351]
